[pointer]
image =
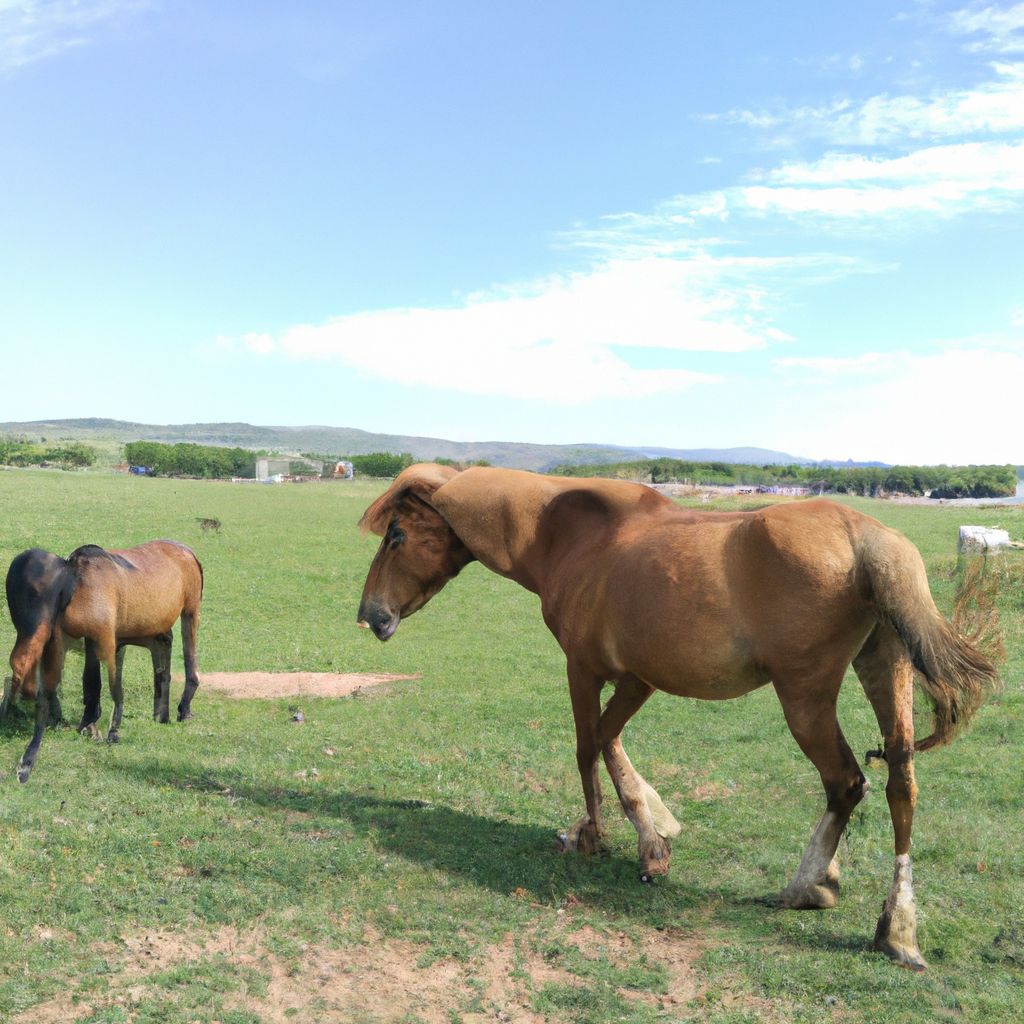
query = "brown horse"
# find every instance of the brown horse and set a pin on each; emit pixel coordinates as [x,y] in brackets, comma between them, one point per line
[643,593]
[109,599]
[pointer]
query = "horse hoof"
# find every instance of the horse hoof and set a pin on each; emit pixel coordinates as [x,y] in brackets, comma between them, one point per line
[23,773]
[646,878]
[112,737]
[906,957]
[822,896]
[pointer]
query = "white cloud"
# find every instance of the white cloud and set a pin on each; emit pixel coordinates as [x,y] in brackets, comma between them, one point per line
[31,30]
[994,106]
[959,405]
[1002,28]
[566,339]
[261,344]
[867,362]
[949,180]
[940,179]
[977,164]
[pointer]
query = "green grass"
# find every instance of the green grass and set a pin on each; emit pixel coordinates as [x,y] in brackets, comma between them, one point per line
[427,827]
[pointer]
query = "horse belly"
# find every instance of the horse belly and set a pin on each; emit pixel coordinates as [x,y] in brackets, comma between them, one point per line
[149,609]
[683,640]
[708,667]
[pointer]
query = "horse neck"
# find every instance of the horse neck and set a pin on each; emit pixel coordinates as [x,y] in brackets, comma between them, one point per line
[496,514]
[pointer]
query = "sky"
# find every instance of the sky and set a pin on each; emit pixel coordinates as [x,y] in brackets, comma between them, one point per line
[797,225]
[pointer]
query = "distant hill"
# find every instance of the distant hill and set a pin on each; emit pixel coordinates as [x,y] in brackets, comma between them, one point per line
[747,456]
[349,441]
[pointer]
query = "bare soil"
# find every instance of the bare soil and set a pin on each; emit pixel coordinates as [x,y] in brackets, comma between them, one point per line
[274,685]
[376,981]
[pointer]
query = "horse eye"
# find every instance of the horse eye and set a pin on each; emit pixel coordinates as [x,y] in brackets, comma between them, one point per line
[395,536]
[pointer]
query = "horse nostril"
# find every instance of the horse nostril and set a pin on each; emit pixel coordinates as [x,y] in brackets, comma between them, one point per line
[379,618]
[383,622]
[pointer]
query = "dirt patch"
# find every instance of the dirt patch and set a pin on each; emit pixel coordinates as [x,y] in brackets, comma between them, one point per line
[376,981]
[273,685]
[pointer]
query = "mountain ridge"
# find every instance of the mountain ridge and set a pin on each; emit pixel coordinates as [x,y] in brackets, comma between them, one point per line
[354,441]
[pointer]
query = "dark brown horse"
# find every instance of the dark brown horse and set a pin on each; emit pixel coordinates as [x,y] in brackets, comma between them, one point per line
[110,599]
[650,596]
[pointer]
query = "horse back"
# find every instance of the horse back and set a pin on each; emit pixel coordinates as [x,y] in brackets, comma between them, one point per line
[711,605]
[134,592]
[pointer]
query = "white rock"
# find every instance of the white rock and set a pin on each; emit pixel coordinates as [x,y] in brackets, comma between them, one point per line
[982,538]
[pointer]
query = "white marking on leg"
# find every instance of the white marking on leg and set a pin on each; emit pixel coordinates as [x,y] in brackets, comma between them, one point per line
[665,823]
[817,879]
[900,906]
[819,852]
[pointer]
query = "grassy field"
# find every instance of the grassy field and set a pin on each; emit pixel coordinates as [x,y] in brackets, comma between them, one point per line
[392,857]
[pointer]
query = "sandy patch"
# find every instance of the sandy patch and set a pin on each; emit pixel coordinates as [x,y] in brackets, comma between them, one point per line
[376,981]
[272,685]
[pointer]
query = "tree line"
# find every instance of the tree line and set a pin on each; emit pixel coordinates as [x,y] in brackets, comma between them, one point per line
[383,464]
[66,455]
[869,481]
[213,462]
[192,460]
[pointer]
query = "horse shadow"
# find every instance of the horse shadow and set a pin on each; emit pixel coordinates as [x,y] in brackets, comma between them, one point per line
[506,856]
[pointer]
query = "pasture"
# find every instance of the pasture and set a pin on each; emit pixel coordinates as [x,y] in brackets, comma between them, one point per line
[392,856]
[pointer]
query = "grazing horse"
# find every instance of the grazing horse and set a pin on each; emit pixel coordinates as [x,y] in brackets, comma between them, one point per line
[712,605]
[109,599]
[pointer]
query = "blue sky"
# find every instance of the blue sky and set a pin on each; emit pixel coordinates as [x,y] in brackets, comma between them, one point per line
[795,225]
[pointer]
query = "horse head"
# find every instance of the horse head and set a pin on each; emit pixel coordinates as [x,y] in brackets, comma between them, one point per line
[39,587]
[418,554]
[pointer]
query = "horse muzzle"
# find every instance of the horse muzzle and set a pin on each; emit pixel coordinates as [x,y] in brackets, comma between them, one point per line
[380,619]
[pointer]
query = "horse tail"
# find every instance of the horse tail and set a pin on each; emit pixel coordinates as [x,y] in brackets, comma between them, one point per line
[40,586]
[202,578]
[955,675]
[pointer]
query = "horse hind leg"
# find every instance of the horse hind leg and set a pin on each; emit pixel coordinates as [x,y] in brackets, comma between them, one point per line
[886,673]
[160,651]
[816,729]
[112,659]
[189,631]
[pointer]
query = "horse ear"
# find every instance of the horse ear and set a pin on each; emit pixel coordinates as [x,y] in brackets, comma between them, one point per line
[418,481]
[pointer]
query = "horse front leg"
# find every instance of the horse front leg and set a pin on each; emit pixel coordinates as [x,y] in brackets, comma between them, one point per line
[654,823]
[28,759]
[91,692]
[811,715]
[47,673]
[53,670]
[586,834]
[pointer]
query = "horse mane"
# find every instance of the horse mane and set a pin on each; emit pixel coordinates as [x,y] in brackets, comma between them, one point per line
[419,481]
[90,552]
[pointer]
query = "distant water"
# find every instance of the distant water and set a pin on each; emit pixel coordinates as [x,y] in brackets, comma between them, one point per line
[1017,499]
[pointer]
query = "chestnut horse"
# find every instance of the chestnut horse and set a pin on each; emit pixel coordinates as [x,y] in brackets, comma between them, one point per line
[109,599]
[643,593]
